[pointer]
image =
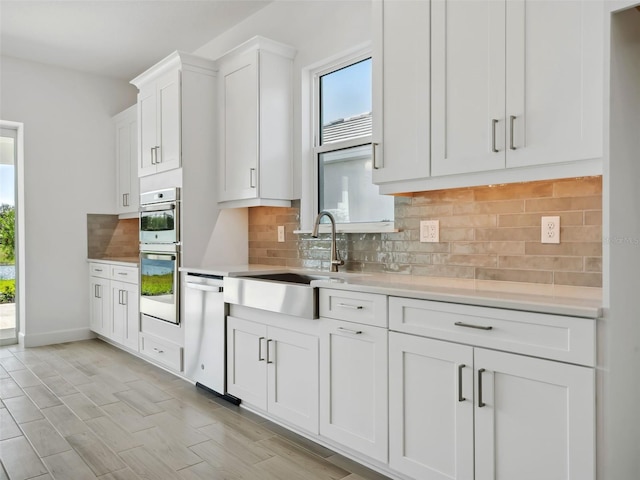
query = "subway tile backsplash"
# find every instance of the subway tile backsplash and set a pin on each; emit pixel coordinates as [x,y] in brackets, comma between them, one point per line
[486,233]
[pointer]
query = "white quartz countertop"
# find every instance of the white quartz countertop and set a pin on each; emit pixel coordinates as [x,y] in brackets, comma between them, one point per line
[559,300]
[124,261]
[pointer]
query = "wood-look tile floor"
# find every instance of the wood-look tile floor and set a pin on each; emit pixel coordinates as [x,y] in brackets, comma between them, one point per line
[87,410]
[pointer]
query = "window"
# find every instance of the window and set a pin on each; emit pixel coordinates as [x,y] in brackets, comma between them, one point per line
[342,146]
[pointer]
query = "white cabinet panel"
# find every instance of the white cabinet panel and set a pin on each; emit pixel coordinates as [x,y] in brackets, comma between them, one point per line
[554,81]
[292,386]
[401,98]
[531,410]
[100,305]
[468,85]
[354,389]
[168,99]
[246,361]
[127,192]
[430,427]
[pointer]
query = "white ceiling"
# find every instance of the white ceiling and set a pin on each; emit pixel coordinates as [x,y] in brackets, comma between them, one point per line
[117,38]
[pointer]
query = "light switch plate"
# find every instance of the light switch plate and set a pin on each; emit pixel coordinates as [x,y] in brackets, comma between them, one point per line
[550,230]
[430,231]
[280,233]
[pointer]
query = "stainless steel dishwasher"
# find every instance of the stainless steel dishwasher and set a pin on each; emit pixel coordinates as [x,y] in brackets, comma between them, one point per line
[204,330]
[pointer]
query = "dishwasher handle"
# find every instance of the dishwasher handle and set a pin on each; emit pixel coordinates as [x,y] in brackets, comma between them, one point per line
[204,288]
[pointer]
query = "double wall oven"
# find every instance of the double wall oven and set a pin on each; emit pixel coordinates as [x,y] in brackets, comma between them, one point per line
[160,254]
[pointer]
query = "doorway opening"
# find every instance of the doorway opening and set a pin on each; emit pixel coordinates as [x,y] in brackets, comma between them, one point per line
[8,253]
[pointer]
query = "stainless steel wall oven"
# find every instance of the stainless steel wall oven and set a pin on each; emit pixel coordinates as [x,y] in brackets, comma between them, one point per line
[160,254]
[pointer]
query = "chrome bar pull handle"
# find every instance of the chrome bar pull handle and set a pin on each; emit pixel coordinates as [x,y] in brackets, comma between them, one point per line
[374,147]
[460,397]
[469,325]
[157,350]
[158,159]
[99,291]
[480,402]
[260,359]
[348,330]
[252,177]
[268,357]
[494,122]
[125,297]
[153,155]
[353,307]
[512,120]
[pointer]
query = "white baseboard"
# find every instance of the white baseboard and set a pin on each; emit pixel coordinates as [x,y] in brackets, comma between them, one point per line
[56,336]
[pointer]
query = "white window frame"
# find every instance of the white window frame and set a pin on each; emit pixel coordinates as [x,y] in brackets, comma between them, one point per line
[311,147]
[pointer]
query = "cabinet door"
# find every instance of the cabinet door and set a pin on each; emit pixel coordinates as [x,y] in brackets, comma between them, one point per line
[246,361]
[537,421]
[123,165]
[147,129]
[468,86]
[131,314]
[118,313]
[554,81]
[239,128]
[99,314]
[401,91]
[430,408]
[292,386]
[168,121]
[353,386]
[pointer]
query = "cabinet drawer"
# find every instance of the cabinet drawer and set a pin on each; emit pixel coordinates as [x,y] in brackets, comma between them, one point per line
[99,270]
[568,339]
[161,351]
[125,274]
[367,308]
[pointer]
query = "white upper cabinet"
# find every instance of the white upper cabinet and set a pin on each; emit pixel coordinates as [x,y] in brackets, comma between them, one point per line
[127,193]
[401,99]
[515,83]
[163,111]
[255,125]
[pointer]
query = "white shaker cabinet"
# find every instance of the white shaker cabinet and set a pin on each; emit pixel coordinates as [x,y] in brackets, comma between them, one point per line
[274,369]
[128,190]
[167,104]
[353,386]
[126,312]
[255,125]
[99,305]
[515,83]
[401,94]
[460,409]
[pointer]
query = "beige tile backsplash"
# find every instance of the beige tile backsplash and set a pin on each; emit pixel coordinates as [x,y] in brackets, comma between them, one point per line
[108,236]
[486,233]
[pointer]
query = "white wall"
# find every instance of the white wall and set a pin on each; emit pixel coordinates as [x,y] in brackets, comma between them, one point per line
[69,152]
[317,29]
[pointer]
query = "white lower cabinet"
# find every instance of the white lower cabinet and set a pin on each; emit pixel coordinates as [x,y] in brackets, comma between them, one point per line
[274,369]
[114,303]
[353,386]
[524,417]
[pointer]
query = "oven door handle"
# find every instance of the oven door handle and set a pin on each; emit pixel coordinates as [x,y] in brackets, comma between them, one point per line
[158,256]
[158,207]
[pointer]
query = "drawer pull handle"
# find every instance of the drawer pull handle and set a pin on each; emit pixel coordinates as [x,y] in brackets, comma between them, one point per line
[123,273]
[460,397]
[260,359]
[98,269]
[468,325]
[480,402]
[348,330]
[354,307]
[155,349]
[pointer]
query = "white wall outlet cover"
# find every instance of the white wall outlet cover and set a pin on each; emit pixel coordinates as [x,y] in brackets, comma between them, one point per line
[550,230]
[430,231]
[280,233]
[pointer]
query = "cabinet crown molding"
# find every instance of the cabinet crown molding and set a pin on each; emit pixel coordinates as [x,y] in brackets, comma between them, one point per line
[177,60]
[264,44]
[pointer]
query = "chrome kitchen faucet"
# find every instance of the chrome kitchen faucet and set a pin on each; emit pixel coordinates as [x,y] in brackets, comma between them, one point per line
[335,256]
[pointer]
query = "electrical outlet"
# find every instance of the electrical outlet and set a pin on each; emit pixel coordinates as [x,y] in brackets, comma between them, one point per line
[550,230]
[280,233]
[430,231]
